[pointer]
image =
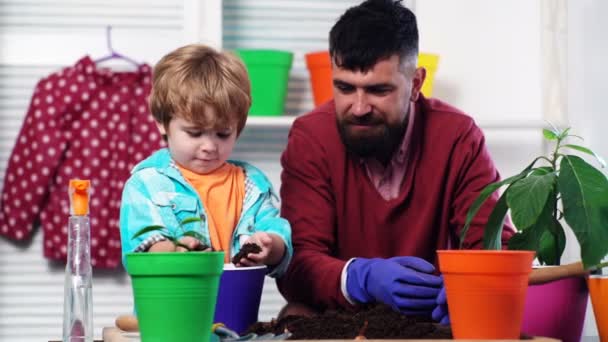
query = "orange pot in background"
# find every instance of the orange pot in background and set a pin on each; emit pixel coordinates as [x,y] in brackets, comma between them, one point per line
[319,68]
[598,289]
[486,291]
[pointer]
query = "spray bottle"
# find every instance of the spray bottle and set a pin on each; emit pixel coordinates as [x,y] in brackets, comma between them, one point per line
[78,292]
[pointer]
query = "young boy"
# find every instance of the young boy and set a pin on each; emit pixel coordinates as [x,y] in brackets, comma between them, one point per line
[200,99]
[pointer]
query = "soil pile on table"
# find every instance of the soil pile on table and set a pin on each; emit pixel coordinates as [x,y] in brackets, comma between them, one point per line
[375,322]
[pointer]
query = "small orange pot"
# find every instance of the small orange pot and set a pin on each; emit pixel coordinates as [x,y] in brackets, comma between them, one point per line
[319,67]
[598,289]
[486,291]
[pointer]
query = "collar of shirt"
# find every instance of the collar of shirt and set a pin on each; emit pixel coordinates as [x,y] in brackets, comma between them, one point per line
[387,180]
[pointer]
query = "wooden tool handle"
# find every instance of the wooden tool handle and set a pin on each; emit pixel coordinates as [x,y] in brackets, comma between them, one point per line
[127,323]
[547,274]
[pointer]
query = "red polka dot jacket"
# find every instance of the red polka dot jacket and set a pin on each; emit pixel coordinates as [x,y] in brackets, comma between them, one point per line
[83,122]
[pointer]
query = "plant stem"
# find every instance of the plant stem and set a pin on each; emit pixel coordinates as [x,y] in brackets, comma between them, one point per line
[598,266]
[554,155]
[547,159]
[556,198]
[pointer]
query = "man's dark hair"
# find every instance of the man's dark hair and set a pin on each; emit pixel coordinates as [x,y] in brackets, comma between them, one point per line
[373,31]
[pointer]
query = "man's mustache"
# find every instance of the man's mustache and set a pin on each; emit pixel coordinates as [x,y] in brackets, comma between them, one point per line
[365,119]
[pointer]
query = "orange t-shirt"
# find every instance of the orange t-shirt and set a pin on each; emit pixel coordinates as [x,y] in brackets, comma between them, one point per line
[222,192]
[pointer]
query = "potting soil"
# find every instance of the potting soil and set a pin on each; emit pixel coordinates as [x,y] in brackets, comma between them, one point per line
[374,322]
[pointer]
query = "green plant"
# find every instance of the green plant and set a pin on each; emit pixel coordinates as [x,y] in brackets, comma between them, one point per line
[564,187]
[176,235]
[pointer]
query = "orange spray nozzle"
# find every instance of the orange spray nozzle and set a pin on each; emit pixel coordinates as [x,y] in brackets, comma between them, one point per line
[79,196]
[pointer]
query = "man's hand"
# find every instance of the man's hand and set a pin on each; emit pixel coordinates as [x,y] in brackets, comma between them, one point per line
[404,283]
[264,240]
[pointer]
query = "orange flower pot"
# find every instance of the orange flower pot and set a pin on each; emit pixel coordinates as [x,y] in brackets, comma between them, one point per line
[486,291]
[598,289]
[319,67]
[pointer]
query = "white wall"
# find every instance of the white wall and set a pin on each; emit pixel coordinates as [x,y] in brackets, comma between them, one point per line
[588,70]
[490,67]
[489,55]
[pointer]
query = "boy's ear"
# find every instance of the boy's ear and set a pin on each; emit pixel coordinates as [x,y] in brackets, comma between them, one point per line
[161,128]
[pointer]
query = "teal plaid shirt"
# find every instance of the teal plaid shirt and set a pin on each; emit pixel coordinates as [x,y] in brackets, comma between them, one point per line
[157,194]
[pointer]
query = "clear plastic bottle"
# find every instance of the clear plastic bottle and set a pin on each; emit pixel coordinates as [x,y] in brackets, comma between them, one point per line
[78,292]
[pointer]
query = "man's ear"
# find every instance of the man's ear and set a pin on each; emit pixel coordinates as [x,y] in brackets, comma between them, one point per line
[417,81]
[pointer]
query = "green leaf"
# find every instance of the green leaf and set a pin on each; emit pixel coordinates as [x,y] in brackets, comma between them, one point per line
[564,133]
[543,170]
[483,196]
[547,249]
[527,240]
[552,244]
[492,235]
[595,246]
[584,191]
[582,185]
[527,197]
[550,134]
[588,151]
[558,230]
[195,235]
[530,238]
[146,230]
[190,220]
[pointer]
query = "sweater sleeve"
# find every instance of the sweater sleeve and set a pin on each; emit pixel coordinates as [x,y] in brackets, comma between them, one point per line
[313,277]
[37,153]
[476,171]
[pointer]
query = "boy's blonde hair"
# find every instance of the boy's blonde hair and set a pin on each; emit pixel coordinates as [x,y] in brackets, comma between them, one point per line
[192,79]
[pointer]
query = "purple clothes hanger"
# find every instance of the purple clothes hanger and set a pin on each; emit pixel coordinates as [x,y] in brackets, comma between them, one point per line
[113,54]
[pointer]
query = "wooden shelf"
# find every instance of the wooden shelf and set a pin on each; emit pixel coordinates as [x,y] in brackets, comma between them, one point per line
[270,121]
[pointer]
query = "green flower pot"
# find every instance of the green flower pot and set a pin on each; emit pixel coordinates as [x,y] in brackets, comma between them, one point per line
[175,294]
[269,72]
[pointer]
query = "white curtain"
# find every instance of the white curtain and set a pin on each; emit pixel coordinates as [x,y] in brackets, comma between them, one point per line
[554,63]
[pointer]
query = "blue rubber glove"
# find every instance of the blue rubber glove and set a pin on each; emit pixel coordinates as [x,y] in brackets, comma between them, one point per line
[440,313]
[404,283]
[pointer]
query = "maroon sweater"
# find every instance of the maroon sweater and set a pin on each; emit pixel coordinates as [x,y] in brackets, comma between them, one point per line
[336,213]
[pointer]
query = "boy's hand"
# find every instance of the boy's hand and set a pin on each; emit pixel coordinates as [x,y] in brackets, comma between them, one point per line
[162,246]
[169,246]
[264,240]
[192,243]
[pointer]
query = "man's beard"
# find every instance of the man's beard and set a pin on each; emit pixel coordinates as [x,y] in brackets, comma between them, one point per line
[380,144]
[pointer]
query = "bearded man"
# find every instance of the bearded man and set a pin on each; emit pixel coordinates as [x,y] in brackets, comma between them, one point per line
[378,179]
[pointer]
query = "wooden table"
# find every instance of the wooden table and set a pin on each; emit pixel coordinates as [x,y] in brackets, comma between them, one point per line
[116,335]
